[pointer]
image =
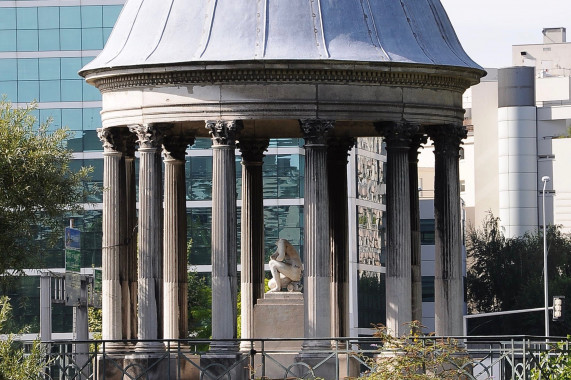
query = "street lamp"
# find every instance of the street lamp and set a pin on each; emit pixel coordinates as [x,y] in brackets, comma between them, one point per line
[545,179]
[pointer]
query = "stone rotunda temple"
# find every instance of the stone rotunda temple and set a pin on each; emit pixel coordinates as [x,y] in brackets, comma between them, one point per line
[242,72]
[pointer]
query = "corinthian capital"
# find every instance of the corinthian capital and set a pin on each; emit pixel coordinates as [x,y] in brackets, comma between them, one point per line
[174,146]
[111,139]
[447,138]
[224,132]
[315,130]
[149,136]
[397,134]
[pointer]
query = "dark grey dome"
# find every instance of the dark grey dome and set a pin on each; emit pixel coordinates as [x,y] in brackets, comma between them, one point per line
[164,32]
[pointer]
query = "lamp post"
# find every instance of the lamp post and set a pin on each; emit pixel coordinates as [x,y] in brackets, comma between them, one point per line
[545,179]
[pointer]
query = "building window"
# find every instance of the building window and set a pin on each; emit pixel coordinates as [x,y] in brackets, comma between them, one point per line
[427,231]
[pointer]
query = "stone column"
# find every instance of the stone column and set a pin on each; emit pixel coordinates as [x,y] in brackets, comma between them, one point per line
[175,309]
[132,256]
[416,258]
[124,248]
[224,134]
[111,244]
[398,273]
[317,257]
[252,248]
[338,149]
[448,281]
[150,236]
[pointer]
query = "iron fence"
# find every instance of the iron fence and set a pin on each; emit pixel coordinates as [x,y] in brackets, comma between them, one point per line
[495,358]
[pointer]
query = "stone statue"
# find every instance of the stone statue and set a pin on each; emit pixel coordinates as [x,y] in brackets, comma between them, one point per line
[285,265]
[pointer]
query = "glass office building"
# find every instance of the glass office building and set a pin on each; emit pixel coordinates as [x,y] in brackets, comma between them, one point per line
[44,43]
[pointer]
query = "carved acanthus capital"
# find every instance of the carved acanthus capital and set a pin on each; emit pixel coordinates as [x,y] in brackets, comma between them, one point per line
[397,134]
[111,139]
[415,143]
[224,132]
[129,144]
[174,146]
[149,136]
[315,130]
[338,148]
[447,138]
[253,149]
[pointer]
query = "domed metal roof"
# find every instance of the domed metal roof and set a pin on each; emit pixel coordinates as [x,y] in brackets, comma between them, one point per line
[169,32]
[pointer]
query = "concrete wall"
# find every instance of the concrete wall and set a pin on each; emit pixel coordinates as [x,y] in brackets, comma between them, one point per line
[485,121]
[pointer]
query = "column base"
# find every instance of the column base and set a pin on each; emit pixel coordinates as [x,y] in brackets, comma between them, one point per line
[225,365]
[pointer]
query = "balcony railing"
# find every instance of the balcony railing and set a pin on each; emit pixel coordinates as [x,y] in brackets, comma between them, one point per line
[342,358]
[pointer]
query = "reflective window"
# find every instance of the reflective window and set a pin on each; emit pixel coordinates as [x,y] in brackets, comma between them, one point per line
[49,91]
[71,90]
[90,93]
[371,235]
[48,40]
[199,223]
[27,18]
[8,40]
[70,17]
[49,68]
[110,14]
[70,67]
[27,40]
[71,118]
[27,69]
[91,119]
[371,298]
[10,89]
[70,39]
[48,17]
[92,39]
[8,69]
[92,16]
[28,91]
[8,18]
[427,288]
[427,232]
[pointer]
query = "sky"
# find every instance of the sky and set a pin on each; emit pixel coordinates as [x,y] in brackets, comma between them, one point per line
[487,29]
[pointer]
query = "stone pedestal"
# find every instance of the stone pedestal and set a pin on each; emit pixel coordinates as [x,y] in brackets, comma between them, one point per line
[278,315]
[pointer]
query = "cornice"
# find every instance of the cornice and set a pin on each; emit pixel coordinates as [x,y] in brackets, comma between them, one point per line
[453,80]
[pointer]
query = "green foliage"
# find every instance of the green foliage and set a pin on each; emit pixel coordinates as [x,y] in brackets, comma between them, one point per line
[415,357]
[507,274]
[15,363]
[37,187]
[554,365]
[199,304]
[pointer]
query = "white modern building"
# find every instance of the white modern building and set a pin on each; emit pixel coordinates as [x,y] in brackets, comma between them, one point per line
[518,120]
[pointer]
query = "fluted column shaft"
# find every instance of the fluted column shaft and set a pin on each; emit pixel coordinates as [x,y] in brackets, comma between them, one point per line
[111,244]
[338,149]
[317,258]
[398,262]
[150,238]
[224,214]
[132,257]
[448,280]
[175,280]
[252,240]
[416,257]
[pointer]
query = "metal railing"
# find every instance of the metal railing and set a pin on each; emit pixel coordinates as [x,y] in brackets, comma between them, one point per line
[495,358]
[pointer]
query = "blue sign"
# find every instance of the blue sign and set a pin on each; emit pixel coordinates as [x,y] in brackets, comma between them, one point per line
[72,238]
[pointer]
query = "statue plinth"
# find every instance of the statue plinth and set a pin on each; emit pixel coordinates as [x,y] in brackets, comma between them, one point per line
[279,315]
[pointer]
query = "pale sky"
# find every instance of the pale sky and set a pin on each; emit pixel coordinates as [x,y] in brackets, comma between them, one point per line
[487,29]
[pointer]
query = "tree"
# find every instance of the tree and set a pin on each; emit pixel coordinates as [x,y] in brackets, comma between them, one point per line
[416,357]
[507,274]
[37,187]
[15,363]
